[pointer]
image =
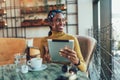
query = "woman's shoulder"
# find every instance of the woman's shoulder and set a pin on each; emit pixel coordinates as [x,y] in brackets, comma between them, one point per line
[69,36]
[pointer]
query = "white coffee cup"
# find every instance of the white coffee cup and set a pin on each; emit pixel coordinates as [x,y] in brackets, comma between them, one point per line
[35,63]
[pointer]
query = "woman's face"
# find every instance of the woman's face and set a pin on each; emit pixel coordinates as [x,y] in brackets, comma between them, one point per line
[58,22]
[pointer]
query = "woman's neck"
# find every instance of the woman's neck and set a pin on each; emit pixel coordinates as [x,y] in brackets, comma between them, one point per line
[57,34]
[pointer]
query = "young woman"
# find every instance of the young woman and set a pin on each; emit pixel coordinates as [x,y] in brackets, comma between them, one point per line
[57,23]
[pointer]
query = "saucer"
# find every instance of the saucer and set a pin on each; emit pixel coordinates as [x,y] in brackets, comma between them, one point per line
[43,66]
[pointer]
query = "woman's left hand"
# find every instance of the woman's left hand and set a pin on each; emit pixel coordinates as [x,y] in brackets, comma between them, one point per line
[70,54]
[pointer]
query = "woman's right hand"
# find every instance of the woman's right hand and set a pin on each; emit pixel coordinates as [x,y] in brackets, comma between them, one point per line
[46,56]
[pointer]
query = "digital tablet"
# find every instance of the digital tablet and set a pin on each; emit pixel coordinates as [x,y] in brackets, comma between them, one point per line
[54,47]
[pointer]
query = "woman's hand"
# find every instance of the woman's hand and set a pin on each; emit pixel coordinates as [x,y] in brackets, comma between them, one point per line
[46,56]
[70,54]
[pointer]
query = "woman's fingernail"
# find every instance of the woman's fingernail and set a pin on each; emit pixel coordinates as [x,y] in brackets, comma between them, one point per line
[68,56]
[65,47]
[60,53]
[61,49]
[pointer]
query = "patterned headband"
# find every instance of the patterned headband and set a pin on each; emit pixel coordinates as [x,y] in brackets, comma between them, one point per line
[52,13]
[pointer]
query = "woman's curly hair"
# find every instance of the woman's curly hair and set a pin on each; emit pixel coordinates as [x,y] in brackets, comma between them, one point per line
[50,17]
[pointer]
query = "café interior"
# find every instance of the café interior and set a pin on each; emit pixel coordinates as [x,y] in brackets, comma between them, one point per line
[23,24]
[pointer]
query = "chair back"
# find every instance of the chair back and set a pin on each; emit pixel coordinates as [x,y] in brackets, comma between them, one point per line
[87,45]
[9,47]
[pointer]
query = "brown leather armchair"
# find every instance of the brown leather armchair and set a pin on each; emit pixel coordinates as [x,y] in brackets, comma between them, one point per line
[9,47]
[37,41]
[87,45]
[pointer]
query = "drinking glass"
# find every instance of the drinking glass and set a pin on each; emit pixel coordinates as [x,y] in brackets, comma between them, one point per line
[17,61]
[23,65]
[23,59]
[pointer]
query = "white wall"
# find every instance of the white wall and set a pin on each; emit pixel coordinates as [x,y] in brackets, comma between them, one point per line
[85,18]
